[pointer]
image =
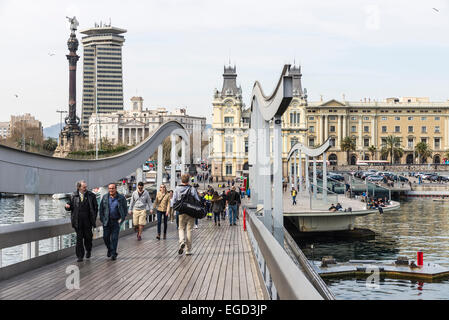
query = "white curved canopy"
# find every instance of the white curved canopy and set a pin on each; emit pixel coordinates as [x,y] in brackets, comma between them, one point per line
[278,101]
[311,152]
[30,173]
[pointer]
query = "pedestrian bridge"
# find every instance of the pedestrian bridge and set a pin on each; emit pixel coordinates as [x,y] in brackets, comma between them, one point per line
[228,262]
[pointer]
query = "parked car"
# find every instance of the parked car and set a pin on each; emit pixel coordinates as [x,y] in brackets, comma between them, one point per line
[335,176]
[374,178]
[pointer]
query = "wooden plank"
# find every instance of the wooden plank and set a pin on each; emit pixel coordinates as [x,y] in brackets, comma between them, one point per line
[200,290]
[227,285]
[210,280]
[251,290]
[241,267]
[158,288]
[215,291]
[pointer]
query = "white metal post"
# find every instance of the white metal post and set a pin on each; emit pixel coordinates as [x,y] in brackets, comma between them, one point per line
[31,214]
[300,171]
[295,172]
[324,177]
[183,156]
[314,179]
[160,165]
[307,174]
[265,172]
[173,163]
[278,210]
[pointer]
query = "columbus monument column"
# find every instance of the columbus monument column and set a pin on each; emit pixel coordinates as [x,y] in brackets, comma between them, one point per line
[71,138]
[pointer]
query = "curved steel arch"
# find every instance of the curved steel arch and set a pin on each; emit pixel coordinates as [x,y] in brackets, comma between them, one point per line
[30,173]
[311,152]
[278,101]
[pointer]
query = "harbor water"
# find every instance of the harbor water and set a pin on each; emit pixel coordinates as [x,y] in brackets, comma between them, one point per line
[418,225]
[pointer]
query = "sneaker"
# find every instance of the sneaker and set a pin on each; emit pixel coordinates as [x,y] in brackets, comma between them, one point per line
[195,227]
[109,254]
[164,236]
[88,254]
[158,237]
[181,248]
[139,238]
[79,260]
[189,253]
[235,224]
[114,258]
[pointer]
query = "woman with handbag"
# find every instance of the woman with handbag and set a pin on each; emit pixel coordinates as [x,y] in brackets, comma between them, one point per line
[161,204]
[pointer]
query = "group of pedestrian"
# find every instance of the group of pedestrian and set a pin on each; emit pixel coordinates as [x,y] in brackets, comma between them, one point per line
[113,210]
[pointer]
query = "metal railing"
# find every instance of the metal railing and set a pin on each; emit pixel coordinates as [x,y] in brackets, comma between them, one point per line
[318,202]
[61,235]
[282,277]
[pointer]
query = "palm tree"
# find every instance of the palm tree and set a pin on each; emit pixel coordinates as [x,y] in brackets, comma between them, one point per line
[372,149]
[392,148]
[348,145]
[422,149]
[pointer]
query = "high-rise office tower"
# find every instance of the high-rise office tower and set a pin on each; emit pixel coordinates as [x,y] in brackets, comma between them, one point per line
[102,74]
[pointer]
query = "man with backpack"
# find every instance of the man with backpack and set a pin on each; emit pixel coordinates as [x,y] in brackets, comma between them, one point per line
[186,222]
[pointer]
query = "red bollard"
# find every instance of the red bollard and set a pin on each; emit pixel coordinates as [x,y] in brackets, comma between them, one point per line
[244,219]
[420,258]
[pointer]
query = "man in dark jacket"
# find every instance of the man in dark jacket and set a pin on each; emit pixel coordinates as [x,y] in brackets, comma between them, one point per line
[84,207]
[113,211]
[232,200]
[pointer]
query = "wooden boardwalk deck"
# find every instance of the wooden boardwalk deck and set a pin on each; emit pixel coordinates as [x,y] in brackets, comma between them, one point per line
[222,267]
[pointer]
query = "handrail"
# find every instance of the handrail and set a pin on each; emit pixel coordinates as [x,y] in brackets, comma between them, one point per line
[289,281]
[310,272]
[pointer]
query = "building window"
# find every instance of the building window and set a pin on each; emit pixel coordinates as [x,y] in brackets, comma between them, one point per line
[424,140]
[332,129]
[293,141]
[246,145]
[384,128]
[332,117]
[311,142]
[397,129]
[311,129]
[437,118]
[311,118]
[366,142]
[437,129]
[410,118]
[229,119]
[332,142]
[423,118]
[424,129]
[410,128]
[384,118]
[365,118]
[229,143]
[366,129]
[397,118]
[410,143]
[353,118]
[437,143]
[384,142]
[229,169]
[353,129]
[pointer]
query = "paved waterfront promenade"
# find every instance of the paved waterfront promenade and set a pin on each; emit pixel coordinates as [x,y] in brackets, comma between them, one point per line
[222,267]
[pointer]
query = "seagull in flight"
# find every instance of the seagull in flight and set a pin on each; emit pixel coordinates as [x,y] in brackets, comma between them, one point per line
[436,9]
[51,54]
[16,95]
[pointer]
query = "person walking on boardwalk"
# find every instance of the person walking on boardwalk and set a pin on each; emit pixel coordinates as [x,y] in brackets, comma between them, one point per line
[84,209]
[140,203]
[231,201]
[294,196]
[185,221]
[170,211]
[113,210]
[161,204]
[217,207]
[208,203]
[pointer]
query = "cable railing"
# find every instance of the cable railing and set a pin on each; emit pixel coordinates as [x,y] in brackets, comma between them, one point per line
[317,201]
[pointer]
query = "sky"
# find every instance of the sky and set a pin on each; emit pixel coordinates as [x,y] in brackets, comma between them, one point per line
[174,51]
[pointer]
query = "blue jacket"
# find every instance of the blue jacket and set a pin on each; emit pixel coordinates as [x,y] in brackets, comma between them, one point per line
[104,208]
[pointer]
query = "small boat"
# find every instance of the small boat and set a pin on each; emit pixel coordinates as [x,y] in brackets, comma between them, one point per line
[59,196]
[440,199]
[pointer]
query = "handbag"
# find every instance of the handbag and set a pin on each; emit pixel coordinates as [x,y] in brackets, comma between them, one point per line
[190,206]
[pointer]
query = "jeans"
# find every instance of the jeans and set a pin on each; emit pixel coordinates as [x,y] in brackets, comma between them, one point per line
[110,236]
[196,221]
[232,213]
[161,214]
[217,217]
[83,237]
[177,219]
[294,199]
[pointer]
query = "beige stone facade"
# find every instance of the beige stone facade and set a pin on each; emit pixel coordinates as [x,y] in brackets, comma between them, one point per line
[412,119]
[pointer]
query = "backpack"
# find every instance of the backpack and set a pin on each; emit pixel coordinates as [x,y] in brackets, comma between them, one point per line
[189,205]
